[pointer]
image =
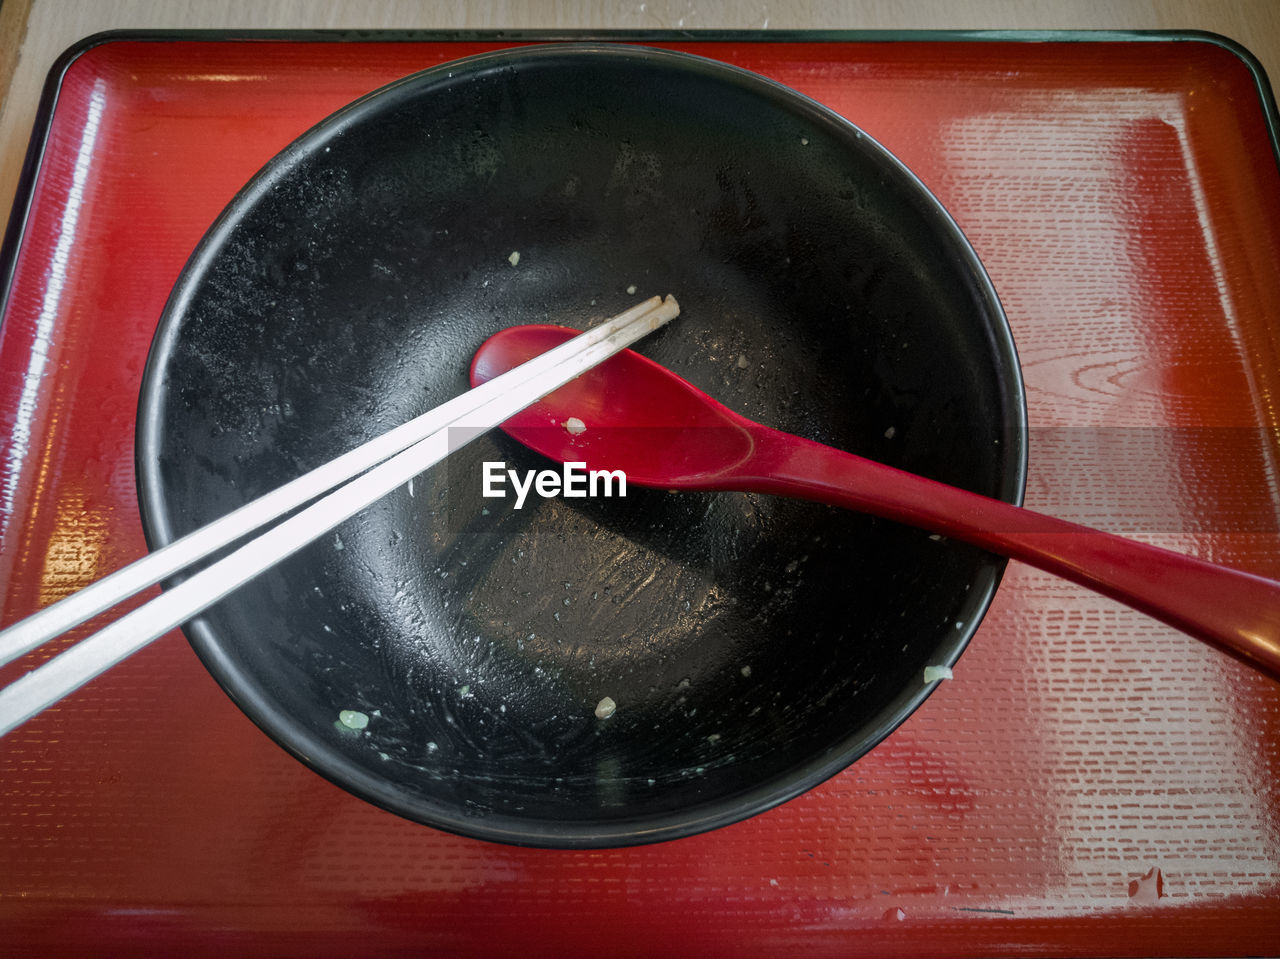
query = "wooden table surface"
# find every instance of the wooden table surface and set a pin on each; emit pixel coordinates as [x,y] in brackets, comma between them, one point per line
[34,32]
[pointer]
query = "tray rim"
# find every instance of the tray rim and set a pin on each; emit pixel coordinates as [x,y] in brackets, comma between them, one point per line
[24,193]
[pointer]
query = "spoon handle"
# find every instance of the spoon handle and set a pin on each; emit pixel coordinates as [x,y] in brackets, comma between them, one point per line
[1236,611]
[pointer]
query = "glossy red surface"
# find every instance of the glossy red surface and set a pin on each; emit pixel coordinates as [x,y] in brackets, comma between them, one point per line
[1089,783]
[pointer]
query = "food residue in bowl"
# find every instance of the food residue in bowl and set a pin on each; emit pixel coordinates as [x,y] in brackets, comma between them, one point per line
[934,673]
[575,425]
[353,719]
[514,258]
[606,708]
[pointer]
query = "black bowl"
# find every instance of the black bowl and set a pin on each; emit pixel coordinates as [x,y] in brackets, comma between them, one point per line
[754,646]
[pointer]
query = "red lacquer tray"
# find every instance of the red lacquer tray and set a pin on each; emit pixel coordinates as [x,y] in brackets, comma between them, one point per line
[1090,783]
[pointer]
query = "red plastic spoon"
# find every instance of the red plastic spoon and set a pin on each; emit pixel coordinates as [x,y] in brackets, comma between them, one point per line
[677,437]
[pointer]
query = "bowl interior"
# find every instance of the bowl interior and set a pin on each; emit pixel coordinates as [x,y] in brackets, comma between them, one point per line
[754,646]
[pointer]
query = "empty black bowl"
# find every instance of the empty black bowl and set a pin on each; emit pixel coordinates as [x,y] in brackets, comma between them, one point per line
[754,646]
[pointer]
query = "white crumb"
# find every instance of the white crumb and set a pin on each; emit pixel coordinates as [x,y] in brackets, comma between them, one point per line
[353,719]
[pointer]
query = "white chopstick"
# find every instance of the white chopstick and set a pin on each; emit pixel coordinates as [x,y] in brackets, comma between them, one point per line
[111,590]
[411,449]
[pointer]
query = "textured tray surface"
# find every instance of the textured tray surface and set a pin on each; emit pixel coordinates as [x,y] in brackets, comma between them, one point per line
[1090,782]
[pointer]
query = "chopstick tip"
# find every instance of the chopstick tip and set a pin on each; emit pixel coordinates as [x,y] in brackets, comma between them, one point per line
[665,313]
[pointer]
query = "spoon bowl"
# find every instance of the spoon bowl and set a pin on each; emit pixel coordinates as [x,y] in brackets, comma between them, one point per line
[626,417]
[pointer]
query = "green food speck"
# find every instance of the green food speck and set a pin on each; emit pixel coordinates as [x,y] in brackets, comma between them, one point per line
[353,719]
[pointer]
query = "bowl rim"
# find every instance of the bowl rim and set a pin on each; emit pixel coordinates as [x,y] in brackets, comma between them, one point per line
[331,764]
